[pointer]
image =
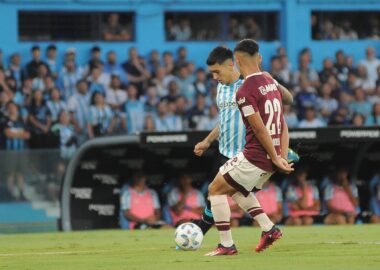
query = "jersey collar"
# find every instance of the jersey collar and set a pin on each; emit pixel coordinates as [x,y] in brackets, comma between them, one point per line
[253,74]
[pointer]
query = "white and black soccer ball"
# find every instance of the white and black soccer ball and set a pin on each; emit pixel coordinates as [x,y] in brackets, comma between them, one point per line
[188,236]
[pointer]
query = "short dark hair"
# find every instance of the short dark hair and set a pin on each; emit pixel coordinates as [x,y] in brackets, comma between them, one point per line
[247,46]
[51,47]
[35,48]
[218,55]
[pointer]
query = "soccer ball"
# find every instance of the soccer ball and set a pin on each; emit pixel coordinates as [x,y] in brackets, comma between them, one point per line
[188,236]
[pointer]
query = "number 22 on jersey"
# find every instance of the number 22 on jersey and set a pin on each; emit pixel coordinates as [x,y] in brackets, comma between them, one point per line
[273,108]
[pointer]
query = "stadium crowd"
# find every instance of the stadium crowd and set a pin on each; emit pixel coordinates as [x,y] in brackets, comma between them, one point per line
[299,200]
[51,102]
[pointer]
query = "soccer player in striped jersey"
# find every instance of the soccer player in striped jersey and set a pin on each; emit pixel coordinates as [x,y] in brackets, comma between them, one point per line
[230,131]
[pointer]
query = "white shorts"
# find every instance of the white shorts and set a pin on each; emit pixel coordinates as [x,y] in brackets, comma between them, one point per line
[243,175]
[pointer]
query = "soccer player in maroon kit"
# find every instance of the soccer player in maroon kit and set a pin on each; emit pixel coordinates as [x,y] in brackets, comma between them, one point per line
[265,151]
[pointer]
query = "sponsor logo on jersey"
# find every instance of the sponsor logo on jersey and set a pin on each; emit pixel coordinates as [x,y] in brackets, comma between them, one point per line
[267,88]
[241,100]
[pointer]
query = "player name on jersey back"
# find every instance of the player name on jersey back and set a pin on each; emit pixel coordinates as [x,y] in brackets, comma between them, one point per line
[259,93]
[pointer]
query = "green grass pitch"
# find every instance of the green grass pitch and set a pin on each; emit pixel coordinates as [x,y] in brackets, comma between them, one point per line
[317,247]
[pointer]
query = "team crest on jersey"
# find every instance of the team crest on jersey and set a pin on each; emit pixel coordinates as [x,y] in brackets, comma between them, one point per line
[267,88]
[241,100]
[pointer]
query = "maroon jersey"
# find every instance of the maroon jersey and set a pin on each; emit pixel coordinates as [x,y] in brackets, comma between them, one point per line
[260,94]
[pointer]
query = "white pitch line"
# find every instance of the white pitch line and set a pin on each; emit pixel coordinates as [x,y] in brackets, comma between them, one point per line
[53,253]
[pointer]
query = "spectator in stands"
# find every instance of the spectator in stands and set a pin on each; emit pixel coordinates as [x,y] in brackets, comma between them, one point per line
[306,96]
[276,68]
[185,84]
[51,60]
[306,71]
[140,204]
[100,118]
[328,30]
[311,120]
[68,78]
[364,81]
[351,84]
[371,63]
[374,118]
[154,62]
[252,29]
[112,67]
[358,120]
[303,199]
[136,70]
[16,137]
[115,96]
[133,111]
[149,123]
[325,103]
[236,30]
[95,60]
[78,106]
[168,62]
[341,199]
[66,135]
[210,121]
[33,65]
[181,59]
[182,31]
[360,103]
[94,82]
[200,83]
[152,100]
[169,30]
[164,121]
[40,120]
[174,91]
[346,32]
[158,81]
[39,81]
[181,111]
[55,105]
[15,69]
[285,73]
[185,202]
[113,30]
[327,70]
[270,198]
[290,116]
[197,111]
[339,117]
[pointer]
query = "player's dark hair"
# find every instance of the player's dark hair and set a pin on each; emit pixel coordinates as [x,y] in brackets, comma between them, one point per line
[248,46]
[218,55]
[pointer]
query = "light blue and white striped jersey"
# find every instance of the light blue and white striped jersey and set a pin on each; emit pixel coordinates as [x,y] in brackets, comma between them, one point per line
[231,126]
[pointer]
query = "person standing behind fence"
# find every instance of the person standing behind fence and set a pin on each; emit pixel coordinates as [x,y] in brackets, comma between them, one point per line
[78,106]
[55,104]
[40,120]
[100,118]
[16,137]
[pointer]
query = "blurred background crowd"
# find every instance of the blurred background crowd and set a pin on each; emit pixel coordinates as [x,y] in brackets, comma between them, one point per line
[46,101]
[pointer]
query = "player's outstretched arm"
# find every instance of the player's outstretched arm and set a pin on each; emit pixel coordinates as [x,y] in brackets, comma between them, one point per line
[264,138]
[202,146]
